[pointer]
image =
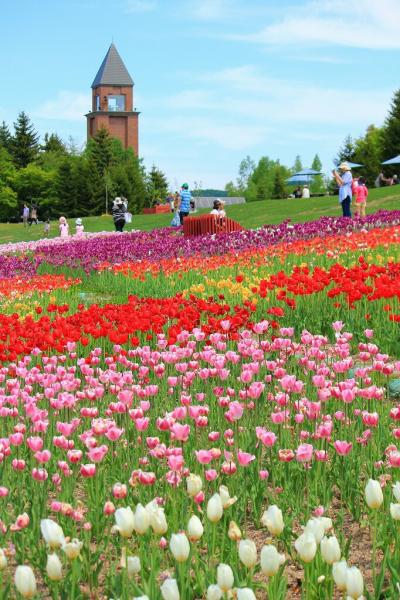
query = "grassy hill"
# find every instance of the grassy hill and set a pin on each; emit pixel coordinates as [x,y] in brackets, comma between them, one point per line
[249,215]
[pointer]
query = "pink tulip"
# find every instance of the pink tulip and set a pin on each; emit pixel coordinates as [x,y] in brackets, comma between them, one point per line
[96,455]
[39,474]
[394,458]
[204,456]
[268,438]
[342,447]
[304,453]
[34,443]
[244,458]
[88,470]
[119,490]
[180,432]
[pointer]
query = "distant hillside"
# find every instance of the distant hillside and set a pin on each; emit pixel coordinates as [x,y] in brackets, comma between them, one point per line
[209,193]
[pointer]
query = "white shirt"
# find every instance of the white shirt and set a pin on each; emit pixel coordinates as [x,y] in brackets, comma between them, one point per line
[305,193]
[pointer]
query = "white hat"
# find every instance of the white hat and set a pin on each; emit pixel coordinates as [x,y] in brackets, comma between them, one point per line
[78,222]
[344,166]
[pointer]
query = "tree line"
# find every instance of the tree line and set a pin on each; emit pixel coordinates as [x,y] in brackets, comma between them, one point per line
[267,178]
[60,179]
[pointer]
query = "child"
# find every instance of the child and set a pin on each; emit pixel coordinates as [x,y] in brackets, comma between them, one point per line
[176,203]
[63,227]
[361,193]
[46,227]
[79,227]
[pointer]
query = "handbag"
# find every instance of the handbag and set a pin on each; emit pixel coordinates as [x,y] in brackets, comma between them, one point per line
[128,217]
[176,220]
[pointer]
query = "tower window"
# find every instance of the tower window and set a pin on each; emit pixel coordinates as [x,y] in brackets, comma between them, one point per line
[116,103]
[97,103]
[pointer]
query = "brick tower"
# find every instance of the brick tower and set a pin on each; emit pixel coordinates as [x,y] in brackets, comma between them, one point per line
[112,102]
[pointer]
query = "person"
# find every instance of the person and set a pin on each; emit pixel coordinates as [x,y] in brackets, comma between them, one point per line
[344,181]
[46,228]
[361,197]
[34,217]
[119,209]
[306,192]
[25,215]
[297,192]
[79,227]
[216,207]
[175,207]
[170,201]
[395,180]
[185,198]
[63,227]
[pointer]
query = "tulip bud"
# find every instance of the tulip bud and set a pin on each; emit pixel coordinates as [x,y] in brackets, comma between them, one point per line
[272,519]
[52,533]
[330,550]
[195,528]
[25,581]
[373,494]
[306,546]
[194,485]
[245,594]
[339,572]
[125,521]
[169,590]
[158,521]
[395,511]
[54,567]
[72,549]
[226,500]
[316,527]
[214,508]
[133,565]
[396,490]
[3,560]
[234,532]
[214,592]
[354,582]
[271,560]
[248,553]
[141,598]
[180,547]
[142,519]
[225,577]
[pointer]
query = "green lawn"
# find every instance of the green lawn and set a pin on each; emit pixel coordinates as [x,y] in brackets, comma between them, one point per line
[249,215]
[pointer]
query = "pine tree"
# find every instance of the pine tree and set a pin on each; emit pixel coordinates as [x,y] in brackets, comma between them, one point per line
[25,141]
[5,137]
[278,190]
[157,185]
[368,152]
[346,151]
[53,143]
[298,166]
[391,129]
[99,153]
[317,185]
[66,188]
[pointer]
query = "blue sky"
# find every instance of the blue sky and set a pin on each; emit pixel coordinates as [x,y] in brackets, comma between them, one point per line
[215,80]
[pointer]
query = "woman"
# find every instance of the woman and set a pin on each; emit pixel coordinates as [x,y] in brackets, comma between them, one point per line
[118,213]
[344,181]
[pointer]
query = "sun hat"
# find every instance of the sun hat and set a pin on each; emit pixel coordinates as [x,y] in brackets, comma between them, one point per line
[344,167]
[221,201]
[78,222]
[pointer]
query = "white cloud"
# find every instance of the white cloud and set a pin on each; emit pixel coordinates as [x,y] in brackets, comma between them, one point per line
[68,106]
[357,23]
[210,9]
[140,6]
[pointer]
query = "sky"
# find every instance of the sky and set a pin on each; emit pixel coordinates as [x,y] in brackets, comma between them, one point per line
[215,80]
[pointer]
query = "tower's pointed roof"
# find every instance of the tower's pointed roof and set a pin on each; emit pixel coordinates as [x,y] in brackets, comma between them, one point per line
[112,70]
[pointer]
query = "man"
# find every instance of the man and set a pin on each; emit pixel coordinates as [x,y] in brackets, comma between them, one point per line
[185,198]
[25,215]
[344,181]
[306,192]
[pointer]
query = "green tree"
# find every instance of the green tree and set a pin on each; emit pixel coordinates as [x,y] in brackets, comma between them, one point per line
[100,152]
[278,188]
[157,186]
[298,166]
[368,152]
[8,196]
[317,185]
[391,129]
[346,151]
[129,181]
[5,137]
[246,170]
[232,191]
[53,143]
[261,182]
[25,142]
[34,185]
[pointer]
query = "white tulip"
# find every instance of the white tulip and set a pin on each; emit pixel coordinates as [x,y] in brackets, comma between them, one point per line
[169,590]
[195,528]
[72,549]
[142,519]
[326,522]
[52,533]
[158,521]
[396,490]
[180,547]
[3,560]
[306,546]
[141,598]
[225,578]
[226,500]
[194,484]
[339,572]
[214,508]
[132,563]
[316,528]
[272,519]
[245,594]
[248,553]
[271,560]
[54,567]
[125,521]
[395,511]
[25,581]
[373,494]
[330,550]
[354,582]
[214,592]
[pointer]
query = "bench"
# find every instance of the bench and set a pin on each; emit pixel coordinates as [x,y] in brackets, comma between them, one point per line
[210,224]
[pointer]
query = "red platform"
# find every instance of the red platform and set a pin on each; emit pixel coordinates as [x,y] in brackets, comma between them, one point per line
[209,224]
[157,210]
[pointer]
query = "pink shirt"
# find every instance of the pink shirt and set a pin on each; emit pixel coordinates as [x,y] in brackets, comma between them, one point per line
[64,229]
[361,193]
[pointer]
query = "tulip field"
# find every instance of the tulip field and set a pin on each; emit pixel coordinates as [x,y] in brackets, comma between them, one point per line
[202,418]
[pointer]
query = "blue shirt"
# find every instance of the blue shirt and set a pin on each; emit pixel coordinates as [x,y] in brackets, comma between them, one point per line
[186,197]
[345,188]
